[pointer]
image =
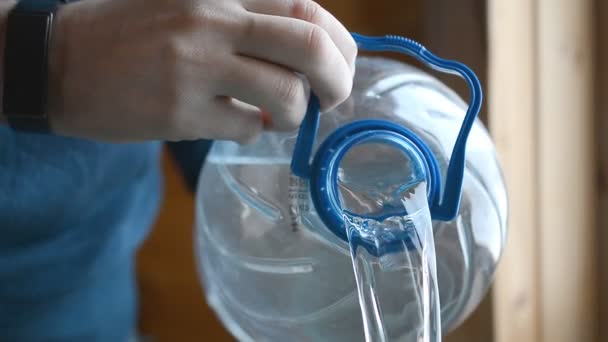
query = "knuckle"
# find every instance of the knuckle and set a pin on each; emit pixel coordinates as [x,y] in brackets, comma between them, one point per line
[289,91]
[177,100]
[201,16]
[305,10]
[318,44]
[338,93]
[196,14]
[351,50]
[249,26]
[344,91]
[171,73]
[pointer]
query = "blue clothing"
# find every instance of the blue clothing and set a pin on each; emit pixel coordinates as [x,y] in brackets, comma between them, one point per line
[72,214]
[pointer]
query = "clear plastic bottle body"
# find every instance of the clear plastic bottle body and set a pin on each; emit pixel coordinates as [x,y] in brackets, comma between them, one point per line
[274,272]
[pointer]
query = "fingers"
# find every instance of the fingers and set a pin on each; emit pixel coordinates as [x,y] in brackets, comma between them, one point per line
[273,88]
[303,47]
[234,120]
[311,12]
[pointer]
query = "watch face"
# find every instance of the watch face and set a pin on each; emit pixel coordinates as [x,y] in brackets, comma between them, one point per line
[26,65]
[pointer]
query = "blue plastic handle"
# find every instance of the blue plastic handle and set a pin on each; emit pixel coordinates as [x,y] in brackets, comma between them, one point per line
[442,208]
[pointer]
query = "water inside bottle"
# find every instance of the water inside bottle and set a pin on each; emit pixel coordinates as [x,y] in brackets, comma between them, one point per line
[402,258]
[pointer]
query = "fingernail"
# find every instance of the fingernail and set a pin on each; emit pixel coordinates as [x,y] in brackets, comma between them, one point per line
[266,119]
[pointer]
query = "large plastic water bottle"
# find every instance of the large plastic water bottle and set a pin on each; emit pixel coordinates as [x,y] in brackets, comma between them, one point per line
[272,217]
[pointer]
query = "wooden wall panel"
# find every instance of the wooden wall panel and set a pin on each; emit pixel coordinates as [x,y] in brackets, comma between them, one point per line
[512,115]
[601,94]
[542,117]
[458,30]
[567,170]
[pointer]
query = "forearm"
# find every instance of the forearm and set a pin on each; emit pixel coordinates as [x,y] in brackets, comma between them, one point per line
[5,6]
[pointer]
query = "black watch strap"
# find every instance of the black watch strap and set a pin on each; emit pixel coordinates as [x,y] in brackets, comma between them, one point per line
[25,90]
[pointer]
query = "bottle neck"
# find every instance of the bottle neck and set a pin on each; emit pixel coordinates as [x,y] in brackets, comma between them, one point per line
[325,183]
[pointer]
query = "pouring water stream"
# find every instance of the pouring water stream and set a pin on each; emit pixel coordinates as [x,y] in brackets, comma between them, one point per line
[412,267]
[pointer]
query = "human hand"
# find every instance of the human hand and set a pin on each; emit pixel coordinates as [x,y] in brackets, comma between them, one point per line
[190,69]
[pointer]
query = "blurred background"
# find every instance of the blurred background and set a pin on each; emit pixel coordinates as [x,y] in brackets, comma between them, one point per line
[546,106]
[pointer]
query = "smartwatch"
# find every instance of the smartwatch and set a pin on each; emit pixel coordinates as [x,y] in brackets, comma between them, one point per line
[29,27]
